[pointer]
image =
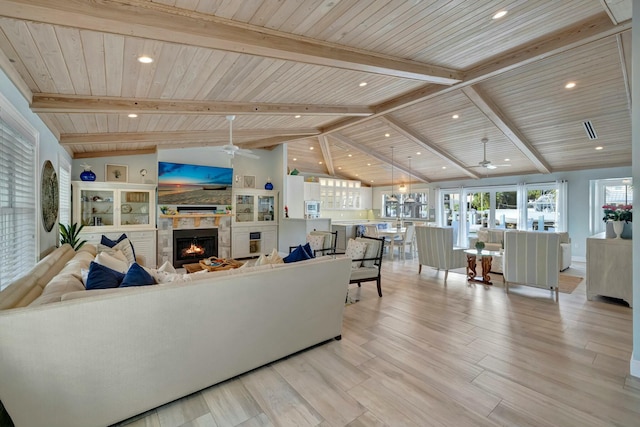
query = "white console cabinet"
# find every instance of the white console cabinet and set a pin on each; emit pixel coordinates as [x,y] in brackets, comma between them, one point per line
[253,241]
[254,230]
[609,268]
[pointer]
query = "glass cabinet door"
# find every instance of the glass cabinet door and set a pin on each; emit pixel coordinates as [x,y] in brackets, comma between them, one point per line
[134,208]
[265,208]
[96,207]
[244,208]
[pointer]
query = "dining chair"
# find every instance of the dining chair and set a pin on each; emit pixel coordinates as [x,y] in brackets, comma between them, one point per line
[371,231]
[401,242]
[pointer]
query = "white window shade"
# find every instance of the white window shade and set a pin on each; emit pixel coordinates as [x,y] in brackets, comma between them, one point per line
[65,192]
[17,201]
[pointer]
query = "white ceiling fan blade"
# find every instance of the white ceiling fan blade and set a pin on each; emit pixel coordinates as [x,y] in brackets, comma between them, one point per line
[246,153]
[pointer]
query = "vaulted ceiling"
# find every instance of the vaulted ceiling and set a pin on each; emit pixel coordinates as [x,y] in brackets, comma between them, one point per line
[293,72]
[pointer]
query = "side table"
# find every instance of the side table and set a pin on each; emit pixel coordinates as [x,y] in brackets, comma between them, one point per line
[486,257]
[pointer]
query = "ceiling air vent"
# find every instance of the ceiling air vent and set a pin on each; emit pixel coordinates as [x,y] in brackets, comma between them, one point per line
[588,127]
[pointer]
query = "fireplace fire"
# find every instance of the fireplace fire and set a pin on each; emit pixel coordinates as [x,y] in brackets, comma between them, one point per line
[190,246]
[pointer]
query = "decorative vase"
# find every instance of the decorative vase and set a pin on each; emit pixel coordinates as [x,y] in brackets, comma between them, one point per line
[618,226]
[268,185]
[87,175]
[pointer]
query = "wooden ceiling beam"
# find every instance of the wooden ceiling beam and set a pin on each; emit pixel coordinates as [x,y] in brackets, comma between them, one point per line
[423,142]
[151,20]
[216,136]
[54,103]
[95,154]
[326,154]
[553,44]
[354,145]
[502,122]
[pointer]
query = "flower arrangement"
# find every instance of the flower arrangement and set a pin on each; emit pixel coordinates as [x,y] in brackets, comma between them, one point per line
[618,213]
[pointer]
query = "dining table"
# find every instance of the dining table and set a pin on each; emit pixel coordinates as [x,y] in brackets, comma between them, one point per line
[391,234]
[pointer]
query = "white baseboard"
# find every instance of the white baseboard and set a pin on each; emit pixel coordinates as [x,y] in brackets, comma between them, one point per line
[634,366]
[579,258]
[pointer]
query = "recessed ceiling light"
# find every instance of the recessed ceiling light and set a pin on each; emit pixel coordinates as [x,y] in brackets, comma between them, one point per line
[319,163]
[363,84]
[310,148]
[339,167]
[297,116]
[444,167]
[145,59]
[507,160]
[356,174]
[418,153]
[455,116]
[295,160]
[349,155]
[371,181]
[599,147]
[132,115]
[570,85]
[368,164]
[387,135]
[500,14]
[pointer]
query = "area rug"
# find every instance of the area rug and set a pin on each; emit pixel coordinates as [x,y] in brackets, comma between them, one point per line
[567,283]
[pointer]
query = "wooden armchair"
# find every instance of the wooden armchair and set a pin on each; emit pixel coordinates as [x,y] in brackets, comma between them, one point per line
[435,249]
[370,266]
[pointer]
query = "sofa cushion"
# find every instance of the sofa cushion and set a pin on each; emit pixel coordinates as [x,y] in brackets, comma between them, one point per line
[137,276]
[101,277]
[104,240]
[58,286]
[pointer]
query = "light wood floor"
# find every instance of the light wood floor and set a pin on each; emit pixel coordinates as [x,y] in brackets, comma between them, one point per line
[428,354]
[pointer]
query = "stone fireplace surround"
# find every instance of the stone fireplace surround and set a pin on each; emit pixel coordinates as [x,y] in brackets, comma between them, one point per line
[166,227]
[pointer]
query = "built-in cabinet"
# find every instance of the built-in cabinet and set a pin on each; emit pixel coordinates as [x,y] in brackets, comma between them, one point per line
[254,229]
[110,209]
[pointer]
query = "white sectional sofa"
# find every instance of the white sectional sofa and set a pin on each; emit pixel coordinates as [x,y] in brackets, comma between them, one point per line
[84,359]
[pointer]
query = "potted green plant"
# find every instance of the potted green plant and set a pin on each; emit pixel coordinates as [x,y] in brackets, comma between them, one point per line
[479,246]
[69,234]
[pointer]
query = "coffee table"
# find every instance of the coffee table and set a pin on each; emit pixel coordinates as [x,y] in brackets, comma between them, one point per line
[486,257]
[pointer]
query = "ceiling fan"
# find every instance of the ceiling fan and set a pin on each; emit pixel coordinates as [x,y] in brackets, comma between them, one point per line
[231,149]
[487,163]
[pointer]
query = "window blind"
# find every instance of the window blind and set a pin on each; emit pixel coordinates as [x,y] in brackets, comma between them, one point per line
[17,203]
[65,193]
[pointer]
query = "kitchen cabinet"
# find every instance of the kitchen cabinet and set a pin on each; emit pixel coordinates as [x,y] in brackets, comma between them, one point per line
[340,194]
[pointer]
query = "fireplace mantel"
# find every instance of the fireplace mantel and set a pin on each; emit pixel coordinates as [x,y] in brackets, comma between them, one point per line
[196,218]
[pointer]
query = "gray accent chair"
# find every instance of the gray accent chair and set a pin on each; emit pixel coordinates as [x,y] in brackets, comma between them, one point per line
[435,249]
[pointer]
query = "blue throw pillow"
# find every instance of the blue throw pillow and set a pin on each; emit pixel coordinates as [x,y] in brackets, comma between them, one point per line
[308,250]
[111,243]
[101,277]
[137,276]
[298,254]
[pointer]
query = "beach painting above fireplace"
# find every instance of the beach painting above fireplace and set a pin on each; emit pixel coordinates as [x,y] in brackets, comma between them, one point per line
[183,184]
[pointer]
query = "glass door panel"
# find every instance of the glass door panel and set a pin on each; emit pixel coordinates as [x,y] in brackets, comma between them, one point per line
[506,209]
[244,208]
[265,208]
[134,207]
[96,207]
[541,209]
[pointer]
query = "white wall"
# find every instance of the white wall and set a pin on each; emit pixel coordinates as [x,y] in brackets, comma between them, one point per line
[48,149]
[635,157]
[578,188]
[135,164]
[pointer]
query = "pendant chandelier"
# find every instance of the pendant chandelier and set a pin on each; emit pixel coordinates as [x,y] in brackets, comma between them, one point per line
[410,199]
[392,198]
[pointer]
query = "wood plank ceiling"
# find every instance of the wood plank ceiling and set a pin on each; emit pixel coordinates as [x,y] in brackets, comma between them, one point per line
[292,72]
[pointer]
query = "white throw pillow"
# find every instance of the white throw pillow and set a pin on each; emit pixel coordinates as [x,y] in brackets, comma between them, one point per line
[275,258]
[355,250]
[316,242]
[124,246]
[167,267]
[112,262]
